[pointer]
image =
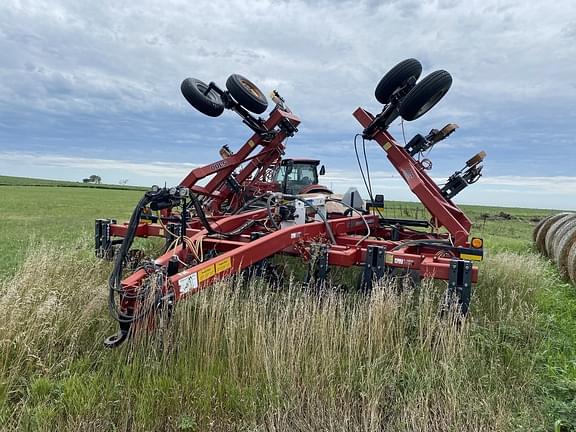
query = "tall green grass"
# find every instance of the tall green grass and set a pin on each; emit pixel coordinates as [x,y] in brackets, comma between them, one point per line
[59,214]
[247,357]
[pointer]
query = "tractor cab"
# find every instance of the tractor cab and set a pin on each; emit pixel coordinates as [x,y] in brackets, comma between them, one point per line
[299,176]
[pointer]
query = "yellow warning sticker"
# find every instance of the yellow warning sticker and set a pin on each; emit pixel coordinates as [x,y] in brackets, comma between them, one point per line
[251,143]
[470,257]
[387,145]
[223,265]
[389,259]
[206,273]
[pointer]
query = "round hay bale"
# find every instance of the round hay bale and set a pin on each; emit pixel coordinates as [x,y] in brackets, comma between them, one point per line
[558,240]
[538,226]
[553,231]
[541,236]
[563,248]
[571,263]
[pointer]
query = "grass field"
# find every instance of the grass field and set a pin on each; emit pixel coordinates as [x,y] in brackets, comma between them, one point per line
[26,181]
[255,359]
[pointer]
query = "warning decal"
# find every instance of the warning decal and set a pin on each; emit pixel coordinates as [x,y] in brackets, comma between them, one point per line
[223,265]
[188,283]
[206,273]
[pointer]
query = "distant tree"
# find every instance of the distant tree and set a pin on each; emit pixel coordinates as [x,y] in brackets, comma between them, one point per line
[95,179]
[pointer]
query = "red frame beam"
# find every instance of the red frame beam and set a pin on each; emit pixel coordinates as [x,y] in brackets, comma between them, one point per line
[238,252]
[444,212]
[272,150]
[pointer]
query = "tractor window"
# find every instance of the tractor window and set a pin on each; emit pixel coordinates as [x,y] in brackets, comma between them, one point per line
[280,174]
[306,174]
[300,176]
[294,174]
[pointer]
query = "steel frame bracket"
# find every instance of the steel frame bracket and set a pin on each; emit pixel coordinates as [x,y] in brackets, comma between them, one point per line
[172,229]
[317,266]
[102,239]
[460,284]
[374,267]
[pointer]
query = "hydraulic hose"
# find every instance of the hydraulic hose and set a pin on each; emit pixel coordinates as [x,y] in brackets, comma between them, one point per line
[269,208]
[248,204]
[206,223]
[318,212]
[114,282]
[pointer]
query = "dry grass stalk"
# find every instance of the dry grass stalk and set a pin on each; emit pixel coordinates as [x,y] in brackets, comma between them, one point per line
[250,357]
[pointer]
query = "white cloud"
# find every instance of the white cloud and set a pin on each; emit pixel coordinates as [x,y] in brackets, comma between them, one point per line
[327,56]
[10,161]
[512,63]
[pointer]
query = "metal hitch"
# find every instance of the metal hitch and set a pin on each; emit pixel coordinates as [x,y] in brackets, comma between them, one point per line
[459,286]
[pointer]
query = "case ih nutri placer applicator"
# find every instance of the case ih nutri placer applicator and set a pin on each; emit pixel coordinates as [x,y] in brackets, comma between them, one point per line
[255,205]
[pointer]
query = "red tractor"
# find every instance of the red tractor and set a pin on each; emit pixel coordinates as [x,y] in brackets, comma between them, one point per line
[298,176]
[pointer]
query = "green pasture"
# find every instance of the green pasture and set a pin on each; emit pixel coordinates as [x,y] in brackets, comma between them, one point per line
[262,360]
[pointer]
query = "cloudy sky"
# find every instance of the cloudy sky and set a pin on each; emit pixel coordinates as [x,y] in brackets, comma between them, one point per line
[93,87]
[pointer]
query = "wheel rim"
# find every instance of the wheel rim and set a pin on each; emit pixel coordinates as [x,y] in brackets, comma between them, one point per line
[251,88]
[210,95]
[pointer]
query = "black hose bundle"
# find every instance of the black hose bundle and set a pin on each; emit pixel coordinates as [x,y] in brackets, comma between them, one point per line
[206,223]
[269,209]
[114,282]
[247,205]
[318,212]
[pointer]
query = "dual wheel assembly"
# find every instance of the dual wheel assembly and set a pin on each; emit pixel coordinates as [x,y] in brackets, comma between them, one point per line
[210,100]
[404,96]
[399,91]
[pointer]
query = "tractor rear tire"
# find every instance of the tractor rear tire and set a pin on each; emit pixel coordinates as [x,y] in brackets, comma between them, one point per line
[247,93]
[396,78]
[197,94]
[425,95]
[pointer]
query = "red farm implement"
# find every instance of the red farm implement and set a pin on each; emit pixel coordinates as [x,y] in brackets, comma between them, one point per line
[242,215]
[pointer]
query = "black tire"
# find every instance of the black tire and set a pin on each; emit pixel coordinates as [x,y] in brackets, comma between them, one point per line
[194,91]
[425,95]
[397,77]
[247,93]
